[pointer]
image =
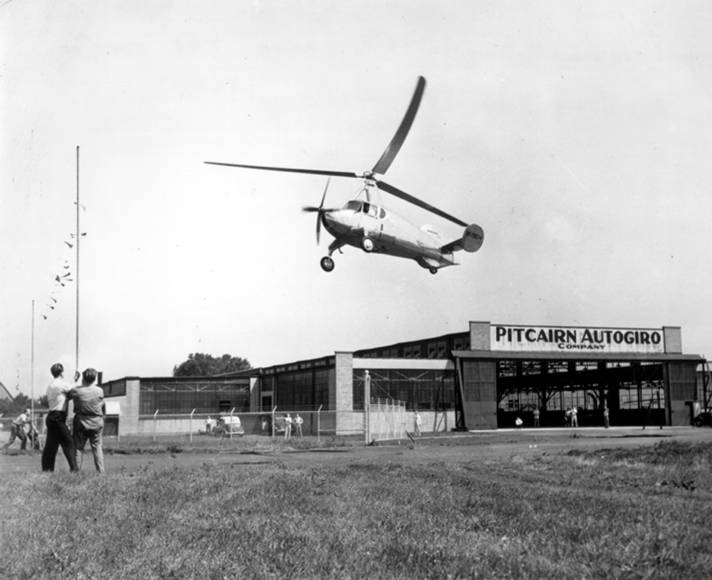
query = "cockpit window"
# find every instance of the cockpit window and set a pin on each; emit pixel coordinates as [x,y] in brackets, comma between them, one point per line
[365,207]
[370,209]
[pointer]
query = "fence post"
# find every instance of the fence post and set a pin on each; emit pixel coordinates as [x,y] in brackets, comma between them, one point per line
[273,426]
[190,427]
[318,424]
[230,428]
[155,420]
[367,406]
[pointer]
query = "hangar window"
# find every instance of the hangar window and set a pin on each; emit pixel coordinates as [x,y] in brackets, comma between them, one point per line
[506,368]
[531,367]
[302,390]
[461,344]
[557,366]
[176,397]
[436,349]
[114,388]
[433,390]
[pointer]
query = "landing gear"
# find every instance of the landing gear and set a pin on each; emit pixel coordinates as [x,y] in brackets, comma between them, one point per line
[327,264]
[433,270]
[367,244]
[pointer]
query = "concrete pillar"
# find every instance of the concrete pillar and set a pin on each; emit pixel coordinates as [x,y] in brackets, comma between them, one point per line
[128,420]
[255,402]
[673,339]
[344,384]
[480,336]
[343,399]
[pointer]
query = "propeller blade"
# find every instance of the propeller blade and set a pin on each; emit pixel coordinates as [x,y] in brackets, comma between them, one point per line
[321,211]
[323,197]
[415,201]
[394,146]
[312,209]
[288,169]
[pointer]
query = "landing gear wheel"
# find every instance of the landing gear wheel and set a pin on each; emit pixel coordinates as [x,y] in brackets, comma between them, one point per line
[327,264]
[433,270]
[367,244]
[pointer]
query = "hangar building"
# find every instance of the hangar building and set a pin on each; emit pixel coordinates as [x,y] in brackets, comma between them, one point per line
[478,379]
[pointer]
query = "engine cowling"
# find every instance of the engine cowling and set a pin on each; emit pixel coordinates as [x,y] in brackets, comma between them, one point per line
[473,238]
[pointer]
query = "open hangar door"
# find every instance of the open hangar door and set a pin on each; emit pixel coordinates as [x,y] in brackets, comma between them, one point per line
[633,391]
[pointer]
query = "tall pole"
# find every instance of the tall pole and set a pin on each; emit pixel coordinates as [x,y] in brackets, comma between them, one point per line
[77,239]
[32,369]
[367,407]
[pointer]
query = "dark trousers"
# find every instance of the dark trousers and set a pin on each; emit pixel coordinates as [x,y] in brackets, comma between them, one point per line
[58,434]
[17,432]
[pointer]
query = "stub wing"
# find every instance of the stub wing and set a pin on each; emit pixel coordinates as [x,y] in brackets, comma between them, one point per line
[471,240]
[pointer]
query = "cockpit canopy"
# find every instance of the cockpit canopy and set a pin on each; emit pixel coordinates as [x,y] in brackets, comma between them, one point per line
[366,207]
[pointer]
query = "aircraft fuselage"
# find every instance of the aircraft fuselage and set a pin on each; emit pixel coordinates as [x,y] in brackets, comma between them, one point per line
[376,229]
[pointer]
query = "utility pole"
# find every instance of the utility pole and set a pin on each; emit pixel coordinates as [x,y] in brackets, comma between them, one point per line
[32,369]
[77,239]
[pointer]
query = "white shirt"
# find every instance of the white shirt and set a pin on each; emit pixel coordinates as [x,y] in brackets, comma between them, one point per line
[21,420]
[57,394]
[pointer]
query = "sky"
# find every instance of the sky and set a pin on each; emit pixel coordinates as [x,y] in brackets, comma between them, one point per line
[577,134]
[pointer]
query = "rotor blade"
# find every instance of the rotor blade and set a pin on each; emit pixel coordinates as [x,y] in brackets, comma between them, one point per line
[415,201]
[289,169]
[394,146]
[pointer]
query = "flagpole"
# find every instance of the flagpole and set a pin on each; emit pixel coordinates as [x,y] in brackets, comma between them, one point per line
[77,239]
[32,369]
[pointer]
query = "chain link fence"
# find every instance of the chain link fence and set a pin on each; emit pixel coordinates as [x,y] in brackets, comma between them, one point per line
[382,420]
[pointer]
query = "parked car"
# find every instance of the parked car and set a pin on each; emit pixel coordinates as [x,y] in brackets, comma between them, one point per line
[703,418]
[229,425]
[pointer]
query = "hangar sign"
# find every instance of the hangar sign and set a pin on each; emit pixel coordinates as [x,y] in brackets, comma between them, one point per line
[577,339]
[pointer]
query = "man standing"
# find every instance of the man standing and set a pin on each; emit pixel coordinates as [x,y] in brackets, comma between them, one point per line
[298,422]
[574,417]
[17,430]
[287,427]
[536,416]
[89,411]
[57,431]
[418,425]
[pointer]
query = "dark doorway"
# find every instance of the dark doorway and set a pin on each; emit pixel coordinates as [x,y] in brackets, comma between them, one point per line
[633,392]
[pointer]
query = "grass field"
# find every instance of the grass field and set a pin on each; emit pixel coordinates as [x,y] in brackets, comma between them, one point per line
[508,507]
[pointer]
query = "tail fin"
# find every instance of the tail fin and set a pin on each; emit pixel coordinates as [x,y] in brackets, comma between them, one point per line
[471,240]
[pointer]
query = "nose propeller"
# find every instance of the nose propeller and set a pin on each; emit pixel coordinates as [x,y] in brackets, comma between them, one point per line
[320,211]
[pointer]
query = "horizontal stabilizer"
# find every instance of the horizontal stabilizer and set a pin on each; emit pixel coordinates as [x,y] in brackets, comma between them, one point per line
[471,240]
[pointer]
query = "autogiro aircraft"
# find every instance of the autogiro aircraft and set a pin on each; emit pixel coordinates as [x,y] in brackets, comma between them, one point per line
[374,228]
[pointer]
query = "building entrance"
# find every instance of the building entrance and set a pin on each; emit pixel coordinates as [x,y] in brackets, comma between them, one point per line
[632,392]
